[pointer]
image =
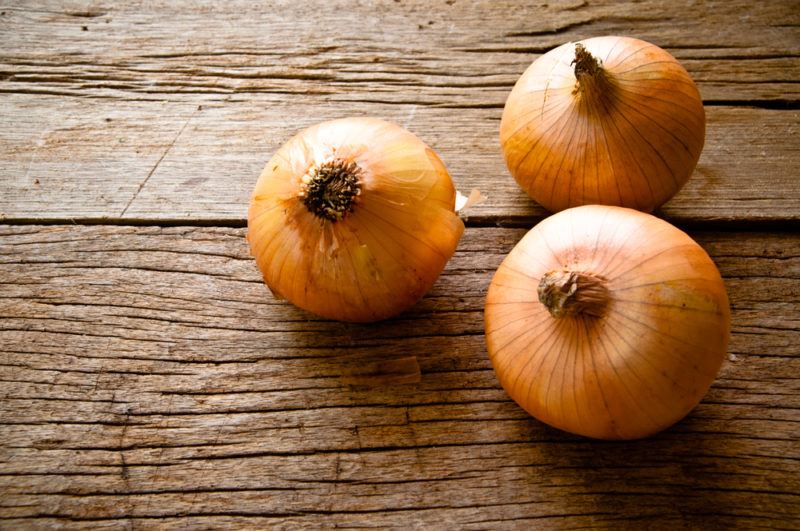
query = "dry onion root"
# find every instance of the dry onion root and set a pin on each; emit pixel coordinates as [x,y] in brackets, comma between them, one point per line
[608,120]
[353,220]
[607,322]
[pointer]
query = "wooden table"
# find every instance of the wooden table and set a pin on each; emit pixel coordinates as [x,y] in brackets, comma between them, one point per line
[149,380]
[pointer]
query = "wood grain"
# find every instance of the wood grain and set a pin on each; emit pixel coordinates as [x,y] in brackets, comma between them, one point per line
[458,54]
[131,161]
[150,380]
[167,111]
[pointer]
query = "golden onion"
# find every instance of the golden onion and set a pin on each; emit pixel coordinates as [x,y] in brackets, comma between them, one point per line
[608,120]
[607,322]
[353,220]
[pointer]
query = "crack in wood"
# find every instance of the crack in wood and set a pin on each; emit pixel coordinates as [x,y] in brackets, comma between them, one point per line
[161,158]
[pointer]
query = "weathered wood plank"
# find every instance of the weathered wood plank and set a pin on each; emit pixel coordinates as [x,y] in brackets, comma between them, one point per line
[146,372]
[169,110]
[84,159]
[461,54]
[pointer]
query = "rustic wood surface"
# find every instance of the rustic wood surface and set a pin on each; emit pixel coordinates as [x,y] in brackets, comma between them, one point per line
[148,374]
[167,110]
[149,380]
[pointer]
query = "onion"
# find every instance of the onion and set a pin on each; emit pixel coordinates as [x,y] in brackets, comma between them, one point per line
[353,219]
[607,322]
[609,120]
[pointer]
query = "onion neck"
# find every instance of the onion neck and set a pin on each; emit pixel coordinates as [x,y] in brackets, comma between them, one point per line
[329,190]
[593,81]
[570,293]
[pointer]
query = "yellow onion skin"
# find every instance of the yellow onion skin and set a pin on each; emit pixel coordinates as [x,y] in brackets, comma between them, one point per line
[630,136]
[640,366]
[379,258]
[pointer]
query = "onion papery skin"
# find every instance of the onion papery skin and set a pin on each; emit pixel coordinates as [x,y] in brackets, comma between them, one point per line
[631,139]
[385,253]
[645,361]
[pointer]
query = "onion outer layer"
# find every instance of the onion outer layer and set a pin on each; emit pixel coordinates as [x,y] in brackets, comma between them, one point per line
[628,133]
[385,252]
[639,363]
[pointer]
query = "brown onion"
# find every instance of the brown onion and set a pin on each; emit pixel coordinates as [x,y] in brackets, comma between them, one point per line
[607,322]
[607,120]
[353,219]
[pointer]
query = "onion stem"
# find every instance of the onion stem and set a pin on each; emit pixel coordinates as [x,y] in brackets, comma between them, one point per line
[592,78]
[565,293]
